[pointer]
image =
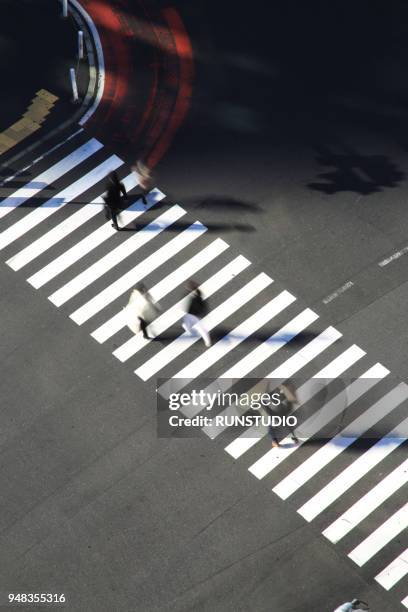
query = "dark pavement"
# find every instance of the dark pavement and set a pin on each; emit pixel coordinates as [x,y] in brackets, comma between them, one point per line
[94,505]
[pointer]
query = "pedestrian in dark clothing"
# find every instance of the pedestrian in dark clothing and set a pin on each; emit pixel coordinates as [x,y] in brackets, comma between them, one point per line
[288,400]
[114,189]
[195,310]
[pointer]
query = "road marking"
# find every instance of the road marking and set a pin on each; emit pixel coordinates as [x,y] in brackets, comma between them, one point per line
[380,537]
[116,256]
[393,257]
[93,240]
[214,318]
[60,231]
[394,572]
[49,176]
[339,365]
[339,443]
[37,159]
[312,425]
[339,291]
[163,287]
[236,337]
[133,276]
[287,369]
[56,203]
[366,504]
[359,468]
[176,312]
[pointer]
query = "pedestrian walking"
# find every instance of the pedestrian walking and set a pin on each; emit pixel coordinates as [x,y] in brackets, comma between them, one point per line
[114,189]
[287,401]
[145,179]
[355,604]
[195,310]
[141,310]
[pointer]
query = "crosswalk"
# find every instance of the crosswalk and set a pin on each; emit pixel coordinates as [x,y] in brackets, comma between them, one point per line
[53,231]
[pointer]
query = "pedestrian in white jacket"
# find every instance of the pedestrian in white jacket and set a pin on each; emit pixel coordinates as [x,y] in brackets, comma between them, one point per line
[140,310]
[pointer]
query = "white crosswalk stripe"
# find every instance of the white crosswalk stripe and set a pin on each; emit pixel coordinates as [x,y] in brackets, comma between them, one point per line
[244,348]
[116,256]
[55,204]
[158,292]
[381,536]
[133,276]
[219,314]
[287,369]
[363,507]
[176,312]
[90,242]
[341,441]
[236,336]
[272,344]
[252,435]
[48,177]
[53,236]
[359,468]
[394,572]
[312,425]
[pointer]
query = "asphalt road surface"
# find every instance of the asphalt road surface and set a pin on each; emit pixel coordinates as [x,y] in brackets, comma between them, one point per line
[290,166]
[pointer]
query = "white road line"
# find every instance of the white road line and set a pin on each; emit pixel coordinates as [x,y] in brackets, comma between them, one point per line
[163,287]
[116,256]
[49,176]
[342,363]
[306,354]
[57,202]
[380,537]
[176,312]
[339,291]
[394,572]
[60,231]
[214,318]
[335,368]
[331,409]
[405,602]
[366,504]
[272,344]
[93,240]
[133,276]
[236,336]
[334,447]
[288,368]
[359,468]
[275,342]
[40,157]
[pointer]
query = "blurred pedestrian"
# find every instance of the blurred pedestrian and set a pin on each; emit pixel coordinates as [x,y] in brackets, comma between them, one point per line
[114,189]
[141,310]
[287,402]
[145,179]
[195,310]
[355,604]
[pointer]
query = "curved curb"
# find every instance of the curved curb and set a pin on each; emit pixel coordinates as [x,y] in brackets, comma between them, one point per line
[96,74]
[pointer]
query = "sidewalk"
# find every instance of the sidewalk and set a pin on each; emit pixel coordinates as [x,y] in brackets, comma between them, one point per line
[38,47]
